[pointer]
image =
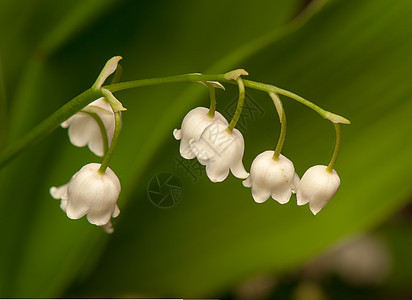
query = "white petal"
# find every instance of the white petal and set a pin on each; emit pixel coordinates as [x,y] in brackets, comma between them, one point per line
[99,217]
[81,128]
[186,150]
[96,144]
[216,172]
[260,195]
[59,192]
[282,196]
[238,170]
[202,151]
[63,205]
[301,199]
[101,103]
[177,133]
[295,183]
[108,228]
[315,208]
[247,182]
[116,212]
[66,123]
[75,212]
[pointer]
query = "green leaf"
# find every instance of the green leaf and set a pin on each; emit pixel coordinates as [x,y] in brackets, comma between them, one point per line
[39,238]
[348,59]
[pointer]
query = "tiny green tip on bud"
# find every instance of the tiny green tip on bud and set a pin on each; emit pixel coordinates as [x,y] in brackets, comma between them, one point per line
[214,84]
[334,118]
[233,75]
[114,103]
[108,69]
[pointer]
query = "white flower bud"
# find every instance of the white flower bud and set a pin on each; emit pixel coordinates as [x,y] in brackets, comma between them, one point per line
[317,187]
[84,130]
[272,178]
[220,151]
[194,123]
[90,193]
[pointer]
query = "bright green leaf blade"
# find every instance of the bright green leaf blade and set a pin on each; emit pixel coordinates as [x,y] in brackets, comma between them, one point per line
[54,247]
[347,59]
[22,178]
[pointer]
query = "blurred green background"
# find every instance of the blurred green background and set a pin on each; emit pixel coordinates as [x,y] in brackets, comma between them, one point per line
[350,57]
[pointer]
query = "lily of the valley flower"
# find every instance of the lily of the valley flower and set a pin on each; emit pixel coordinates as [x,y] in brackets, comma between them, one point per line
[84,129]
[90,193]
[269,177]
[83,126]
[317,187]
[220,150]
[194,123]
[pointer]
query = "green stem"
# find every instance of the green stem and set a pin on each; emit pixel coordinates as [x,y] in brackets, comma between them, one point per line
[212,94]
[102,129]
[162,80]
[221,78]
[77,103]
[47,126]
[337,148]
[239,107]
[110,152]
[282,119]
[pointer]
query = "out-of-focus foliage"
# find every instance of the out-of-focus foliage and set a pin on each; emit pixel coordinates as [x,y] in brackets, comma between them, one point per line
[352,57]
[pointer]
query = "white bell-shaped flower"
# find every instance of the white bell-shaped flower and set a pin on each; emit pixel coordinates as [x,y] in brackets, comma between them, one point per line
[194,123]
[317,187]
[90,193]
[269,177]
[220,151]
[84,129]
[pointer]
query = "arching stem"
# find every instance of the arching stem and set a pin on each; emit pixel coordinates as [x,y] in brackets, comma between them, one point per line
[337,148]
[239,107]
[110,152]
[282,119]
[212,94]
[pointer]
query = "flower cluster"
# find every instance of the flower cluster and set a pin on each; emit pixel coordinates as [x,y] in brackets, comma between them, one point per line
[93,191]
[206,135]
[208,138]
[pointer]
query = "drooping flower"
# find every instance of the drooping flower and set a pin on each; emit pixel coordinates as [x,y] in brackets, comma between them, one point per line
[272,178]
[317,187]
[84,129]
[90,193]
[194,123]
[220,151]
